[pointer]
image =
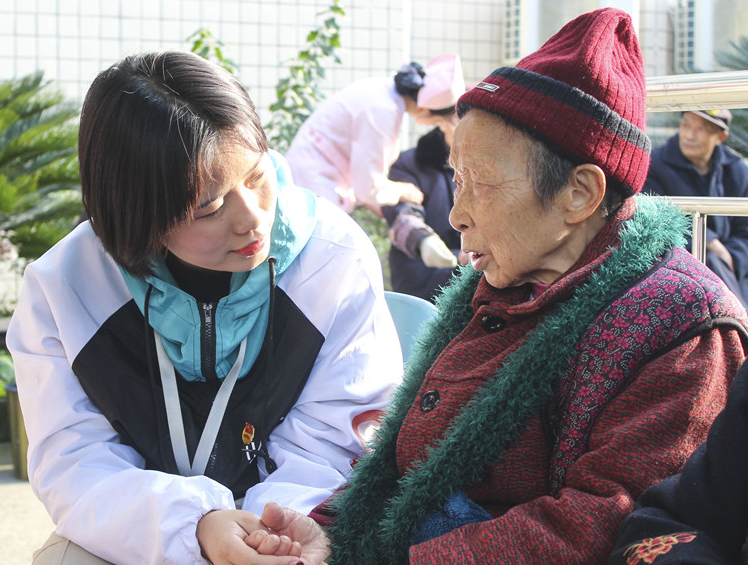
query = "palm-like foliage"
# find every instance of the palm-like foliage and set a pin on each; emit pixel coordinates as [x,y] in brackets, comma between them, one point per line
[39,179]
[737,60]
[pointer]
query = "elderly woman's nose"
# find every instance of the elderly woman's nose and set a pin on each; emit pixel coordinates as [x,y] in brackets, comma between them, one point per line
[458,217]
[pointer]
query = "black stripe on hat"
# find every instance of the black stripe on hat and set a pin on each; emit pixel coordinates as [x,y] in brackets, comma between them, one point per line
[579,100]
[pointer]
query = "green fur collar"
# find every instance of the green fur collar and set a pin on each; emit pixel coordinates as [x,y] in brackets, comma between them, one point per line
[379,512]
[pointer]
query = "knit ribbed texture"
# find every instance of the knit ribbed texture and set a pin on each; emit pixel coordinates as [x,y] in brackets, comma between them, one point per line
[583,92]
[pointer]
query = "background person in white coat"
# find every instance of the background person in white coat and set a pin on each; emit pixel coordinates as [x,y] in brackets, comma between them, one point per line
[344,150]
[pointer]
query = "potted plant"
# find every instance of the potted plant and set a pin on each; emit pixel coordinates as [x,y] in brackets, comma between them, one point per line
[6,377]
[16,430]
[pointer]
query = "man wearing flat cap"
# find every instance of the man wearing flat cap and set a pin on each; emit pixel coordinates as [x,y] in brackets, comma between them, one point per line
[694,162]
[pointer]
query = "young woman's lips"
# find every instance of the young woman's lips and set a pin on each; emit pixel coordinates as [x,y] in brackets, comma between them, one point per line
[252,248]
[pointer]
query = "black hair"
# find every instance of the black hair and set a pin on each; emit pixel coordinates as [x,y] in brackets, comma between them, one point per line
[409,80]
[150,126]
[443,111]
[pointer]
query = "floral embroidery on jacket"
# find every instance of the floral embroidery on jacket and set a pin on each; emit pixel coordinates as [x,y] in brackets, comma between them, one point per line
[651,548]
[662,308]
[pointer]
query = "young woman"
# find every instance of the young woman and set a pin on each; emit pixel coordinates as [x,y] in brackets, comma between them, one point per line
[213,338]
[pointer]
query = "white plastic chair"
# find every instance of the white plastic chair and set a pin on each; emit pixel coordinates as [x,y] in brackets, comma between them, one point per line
[409,314]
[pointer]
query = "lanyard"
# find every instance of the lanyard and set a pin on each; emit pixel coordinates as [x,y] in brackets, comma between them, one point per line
[174,412]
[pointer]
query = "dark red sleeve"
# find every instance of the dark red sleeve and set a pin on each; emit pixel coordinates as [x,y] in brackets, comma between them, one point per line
[644,435]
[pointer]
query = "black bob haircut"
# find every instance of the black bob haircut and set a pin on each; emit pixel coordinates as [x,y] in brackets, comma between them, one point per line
[150,128]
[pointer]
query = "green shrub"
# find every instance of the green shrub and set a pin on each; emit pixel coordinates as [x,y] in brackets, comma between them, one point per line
[39,179]
[7,374]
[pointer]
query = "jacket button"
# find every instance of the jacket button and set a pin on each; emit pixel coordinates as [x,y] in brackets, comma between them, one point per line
[429,400]
[492,323]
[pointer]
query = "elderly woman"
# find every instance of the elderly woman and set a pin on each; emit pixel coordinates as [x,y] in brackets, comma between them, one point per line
[580,358]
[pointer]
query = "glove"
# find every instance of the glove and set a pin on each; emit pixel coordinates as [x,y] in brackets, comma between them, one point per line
[434,253]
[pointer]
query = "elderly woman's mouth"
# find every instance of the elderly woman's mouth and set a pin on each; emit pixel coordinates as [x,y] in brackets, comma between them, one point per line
[476,260]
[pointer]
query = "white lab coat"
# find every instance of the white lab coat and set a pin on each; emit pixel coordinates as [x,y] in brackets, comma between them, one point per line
[344,150]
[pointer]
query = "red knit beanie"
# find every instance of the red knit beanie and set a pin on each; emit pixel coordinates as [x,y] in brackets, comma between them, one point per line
[583,93]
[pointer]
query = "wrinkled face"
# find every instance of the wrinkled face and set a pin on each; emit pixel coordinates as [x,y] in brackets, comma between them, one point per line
[230,229]
[507,233]
[698,137]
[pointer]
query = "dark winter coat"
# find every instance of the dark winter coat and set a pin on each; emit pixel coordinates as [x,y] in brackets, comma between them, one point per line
[426,167]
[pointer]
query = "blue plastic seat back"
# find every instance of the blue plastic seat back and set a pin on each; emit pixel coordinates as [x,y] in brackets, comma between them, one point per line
[409,314]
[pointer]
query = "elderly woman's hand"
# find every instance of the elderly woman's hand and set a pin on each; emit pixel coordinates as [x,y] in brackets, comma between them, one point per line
[288,525]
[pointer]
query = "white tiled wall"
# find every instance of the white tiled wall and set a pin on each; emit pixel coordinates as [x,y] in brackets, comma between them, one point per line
[72,40]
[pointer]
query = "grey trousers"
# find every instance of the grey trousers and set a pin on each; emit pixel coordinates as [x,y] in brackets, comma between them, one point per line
[58,550]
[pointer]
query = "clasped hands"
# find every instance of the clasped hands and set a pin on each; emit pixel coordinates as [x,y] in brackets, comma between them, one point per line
[280,536]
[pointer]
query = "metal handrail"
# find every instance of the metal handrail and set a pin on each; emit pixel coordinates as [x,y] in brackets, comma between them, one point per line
[699,207]
[700,91]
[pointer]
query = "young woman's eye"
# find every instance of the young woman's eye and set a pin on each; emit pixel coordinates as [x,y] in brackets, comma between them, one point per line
[255,180]
[212,214]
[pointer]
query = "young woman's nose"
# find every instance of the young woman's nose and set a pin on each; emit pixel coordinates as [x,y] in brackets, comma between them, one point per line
[247,212]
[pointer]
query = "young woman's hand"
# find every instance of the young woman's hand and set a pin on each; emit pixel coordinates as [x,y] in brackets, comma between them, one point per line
[222,535]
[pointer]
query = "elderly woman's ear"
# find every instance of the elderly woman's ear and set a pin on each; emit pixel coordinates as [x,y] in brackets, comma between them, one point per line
[583,194]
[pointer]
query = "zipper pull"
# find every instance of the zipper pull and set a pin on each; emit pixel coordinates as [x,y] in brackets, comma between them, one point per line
[207,342]
[208,312]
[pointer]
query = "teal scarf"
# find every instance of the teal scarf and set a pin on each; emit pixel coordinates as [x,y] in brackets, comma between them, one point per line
[379,512]
[175,315]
